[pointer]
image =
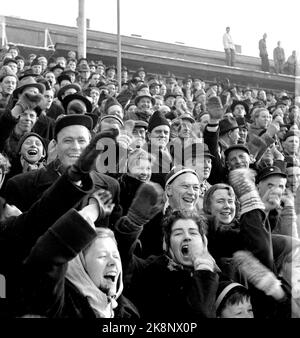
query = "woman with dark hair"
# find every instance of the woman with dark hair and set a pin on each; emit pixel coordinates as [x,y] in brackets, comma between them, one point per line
[182,282]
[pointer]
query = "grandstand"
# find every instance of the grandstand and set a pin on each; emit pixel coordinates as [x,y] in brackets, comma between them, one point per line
[156,57]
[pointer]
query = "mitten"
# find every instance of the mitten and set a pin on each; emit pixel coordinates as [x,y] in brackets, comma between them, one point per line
[242,182]
[85,162]
[148,202]
[215,108]
[257,274]
[29,101]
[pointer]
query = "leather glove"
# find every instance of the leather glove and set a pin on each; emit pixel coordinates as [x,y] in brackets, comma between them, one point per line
[29,101]
[85,162]
[147,203]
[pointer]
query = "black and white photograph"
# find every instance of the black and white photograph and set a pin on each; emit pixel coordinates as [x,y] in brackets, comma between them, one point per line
[149,164]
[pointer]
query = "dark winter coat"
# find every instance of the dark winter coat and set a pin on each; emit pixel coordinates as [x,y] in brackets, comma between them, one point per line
[46,290]
[159,291]
[24,189]
[19,234]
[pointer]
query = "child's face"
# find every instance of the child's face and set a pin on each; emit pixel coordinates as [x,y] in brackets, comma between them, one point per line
[239,310]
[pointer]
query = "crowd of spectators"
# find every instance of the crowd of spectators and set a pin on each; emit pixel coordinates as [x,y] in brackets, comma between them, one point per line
[161,199]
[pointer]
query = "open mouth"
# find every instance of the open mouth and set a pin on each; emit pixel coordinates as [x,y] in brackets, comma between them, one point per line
[226,214]
[32,152]
[112,276]
[188,200]
[185,250]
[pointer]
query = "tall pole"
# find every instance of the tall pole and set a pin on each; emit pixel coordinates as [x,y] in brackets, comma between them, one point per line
[119,46]
[81,24]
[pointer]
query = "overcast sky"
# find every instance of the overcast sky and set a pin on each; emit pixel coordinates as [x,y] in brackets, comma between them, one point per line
[198,23]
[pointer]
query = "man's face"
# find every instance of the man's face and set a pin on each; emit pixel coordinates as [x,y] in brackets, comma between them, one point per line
[145,105]
[49,96]
[95,94]
[248,94]
[139,136]
[50,77]
[13,66]
[275,185]
[183,232]
[103,265]
[160,136]
[222,206]
[170,101]
[262,95]
[234,136]
[155,90]
[94,80]
[111,73]
[21,64]
[100,70]
[238,158]
[239,111]
[263,119]
[8,84]
[183,192]
[243,132]
[70,143]
[185,129]
[32,149]
[27,121]
[141,170]
[293,178]
[291,145]
[112,89]
[43,62]
[72,65]
[158,104]
[13,52]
